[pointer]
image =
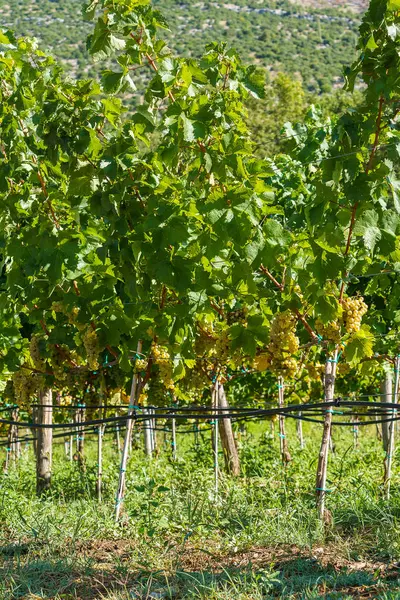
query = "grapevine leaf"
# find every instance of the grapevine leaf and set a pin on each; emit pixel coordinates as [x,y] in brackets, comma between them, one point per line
[360,345]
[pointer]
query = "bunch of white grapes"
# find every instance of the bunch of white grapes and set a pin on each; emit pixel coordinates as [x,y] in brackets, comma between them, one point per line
[353,311]
[283,344]
[26,385]
[162,359]
[34,351]
[91,344]
[329,331]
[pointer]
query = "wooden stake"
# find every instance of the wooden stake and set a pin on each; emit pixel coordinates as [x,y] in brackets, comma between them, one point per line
[80,440]
[147,433]
[118,438]
[228,443]
[214,404]
[329,382]
[391,445]
[286,458]
[299,429]
[100,433]
[44,442]
[128,433]
[174,449]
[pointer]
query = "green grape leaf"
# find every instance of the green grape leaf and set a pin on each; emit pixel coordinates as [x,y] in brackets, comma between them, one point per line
[360,345]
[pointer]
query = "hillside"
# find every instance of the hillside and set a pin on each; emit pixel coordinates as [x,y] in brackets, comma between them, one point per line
[310,38]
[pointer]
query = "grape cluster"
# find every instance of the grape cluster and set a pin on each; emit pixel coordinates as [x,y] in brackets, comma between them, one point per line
[156,390]
[329,331]
[142,400]
[315,371]
[353,311]
[140,365]
[205,340]
[262,362]
[58,307]
[283,344]
[72,319]
[91,344]
[26,385]
[9,392]
[57,364]
[214,343]
[34,351]
[195,382]
[221,349]
[237,316]
[76,379]
[162,359]
[343,369]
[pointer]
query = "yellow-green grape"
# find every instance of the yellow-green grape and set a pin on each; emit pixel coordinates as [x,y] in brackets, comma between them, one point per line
[262,362]
[140,365]
[315,371]
[9,392]
[353,311]
[283,344]
[34,351]
[196,380]
[142,400]
[76,379]
[162,359]
[205,340]
[72,319]
[329,331]
[57,365]
[156,391]
[26,385]
[58,307]
[91,344]
[343,368]
[237,316]
[287,368]
[222,346]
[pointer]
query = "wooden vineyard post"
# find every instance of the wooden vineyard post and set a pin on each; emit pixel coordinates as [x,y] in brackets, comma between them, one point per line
[153,430]
[391,446]
[44,442]
[14,444]
[322,469]
[118,438]
[386,396]
[299,429]
[66,447]
[228,443]
[9,447]
[128,434]
[214,405]
[174,449]
[34,431]
[286,458]
[100,433]
[355,430]
[147,433]
[80,437]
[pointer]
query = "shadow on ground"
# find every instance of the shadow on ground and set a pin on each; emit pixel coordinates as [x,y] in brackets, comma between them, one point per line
[105,570]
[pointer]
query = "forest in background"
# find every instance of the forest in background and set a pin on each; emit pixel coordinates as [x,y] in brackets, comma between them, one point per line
[308,38]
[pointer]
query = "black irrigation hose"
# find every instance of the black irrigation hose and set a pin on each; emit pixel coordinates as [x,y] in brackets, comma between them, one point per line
[224,413]
[94,431]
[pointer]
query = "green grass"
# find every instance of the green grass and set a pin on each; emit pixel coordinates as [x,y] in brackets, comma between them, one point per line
[260,539]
